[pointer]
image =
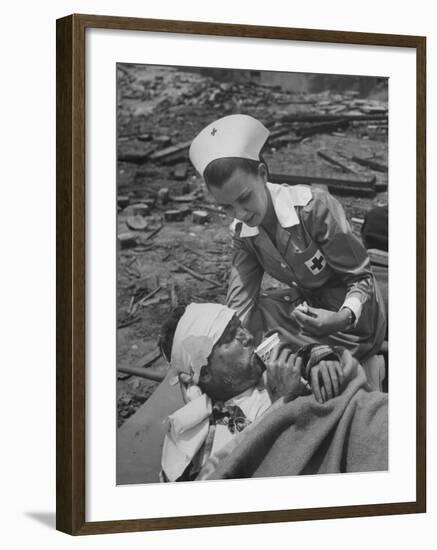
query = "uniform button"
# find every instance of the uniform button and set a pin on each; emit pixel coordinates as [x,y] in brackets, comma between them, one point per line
[287,298]
[294,283]
[284,266]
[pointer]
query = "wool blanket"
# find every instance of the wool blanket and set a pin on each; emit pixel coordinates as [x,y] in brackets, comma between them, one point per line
[346,434]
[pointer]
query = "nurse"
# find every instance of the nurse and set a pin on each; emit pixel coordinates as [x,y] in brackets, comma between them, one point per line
[297,234]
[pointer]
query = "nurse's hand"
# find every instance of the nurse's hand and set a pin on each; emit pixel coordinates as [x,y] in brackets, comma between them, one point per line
[318,322]
[326,379]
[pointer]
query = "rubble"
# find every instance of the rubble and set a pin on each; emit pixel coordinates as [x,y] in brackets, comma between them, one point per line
[136,222]
[127,240]
[176,215]
[358,186]
[371,163]
[163,195]
[180,173]
[200,216]
[177,257]
[335,159]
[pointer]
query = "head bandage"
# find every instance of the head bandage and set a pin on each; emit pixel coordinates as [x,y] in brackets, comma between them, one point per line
[198,330]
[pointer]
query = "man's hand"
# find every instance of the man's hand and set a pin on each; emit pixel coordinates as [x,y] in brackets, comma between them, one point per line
[326,378]
[317,322]
[283,374]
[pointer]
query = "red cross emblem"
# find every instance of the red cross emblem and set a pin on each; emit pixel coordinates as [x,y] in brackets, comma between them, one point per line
[317,263]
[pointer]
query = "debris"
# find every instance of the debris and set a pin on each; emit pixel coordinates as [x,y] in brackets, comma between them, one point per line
[283,135]
[140,137]
[148,359]
[176,215]
[149,295]
[370,163]
[147,201]
[194,251]
[174,295]
[152,234]
[212,208]
[322,128]
[171,154]
[154,301]
[347,186]
[139,209]
[196,275]
[373,110]
[180,173]
[380,187]
[135,384]
[123,200]
[378,257]
[163,195]
[163,140]
[333,158]
[190,197]
[157,374]
[137,223]
[124,398]
[132,151]
[127,240]
[144,137]
[131,304]
[200,216]
[128,321]
[308,117]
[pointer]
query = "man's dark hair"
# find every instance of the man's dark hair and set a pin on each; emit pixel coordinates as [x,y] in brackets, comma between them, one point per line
[168,330]
[220,170]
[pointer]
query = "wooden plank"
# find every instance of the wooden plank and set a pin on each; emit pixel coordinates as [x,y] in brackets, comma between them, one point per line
[323,127]
[370,163]
[378,257]
[172,152]
[334,158]
[347,185]
[140,438]
[316,117]
[153,373]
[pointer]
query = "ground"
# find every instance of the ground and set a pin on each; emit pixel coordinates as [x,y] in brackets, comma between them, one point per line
[161,107]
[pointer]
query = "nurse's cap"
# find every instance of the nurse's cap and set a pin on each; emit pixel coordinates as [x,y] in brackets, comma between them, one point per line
[236,136]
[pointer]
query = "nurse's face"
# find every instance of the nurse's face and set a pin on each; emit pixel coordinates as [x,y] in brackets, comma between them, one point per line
[244,196]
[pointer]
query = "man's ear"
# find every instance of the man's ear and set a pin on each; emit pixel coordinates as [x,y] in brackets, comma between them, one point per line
[205,375]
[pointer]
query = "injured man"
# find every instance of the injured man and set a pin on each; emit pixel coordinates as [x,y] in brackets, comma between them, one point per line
[304,411]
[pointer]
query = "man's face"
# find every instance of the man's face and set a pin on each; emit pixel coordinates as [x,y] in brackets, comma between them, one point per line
[244,196]
[233,366]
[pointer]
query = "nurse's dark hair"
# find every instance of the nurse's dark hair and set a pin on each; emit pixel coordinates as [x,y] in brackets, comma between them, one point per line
[220,170]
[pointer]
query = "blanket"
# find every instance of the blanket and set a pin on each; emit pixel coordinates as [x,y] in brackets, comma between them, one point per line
[346,434]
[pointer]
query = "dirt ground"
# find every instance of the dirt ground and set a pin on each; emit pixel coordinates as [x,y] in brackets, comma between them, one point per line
[161,107]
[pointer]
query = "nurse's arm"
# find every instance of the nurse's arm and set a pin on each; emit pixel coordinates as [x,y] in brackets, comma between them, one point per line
[244,281]
[325,220]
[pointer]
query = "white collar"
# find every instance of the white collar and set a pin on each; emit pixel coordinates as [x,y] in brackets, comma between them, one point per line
[284,199]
